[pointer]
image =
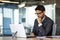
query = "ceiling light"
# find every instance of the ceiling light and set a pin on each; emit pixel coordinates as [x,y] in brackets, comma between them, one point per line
[9,2]
[22,4]
[5,1]
[43,1]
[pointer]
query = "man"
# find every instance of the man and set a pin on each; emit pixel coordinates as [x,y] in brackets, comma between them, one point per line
[43,25]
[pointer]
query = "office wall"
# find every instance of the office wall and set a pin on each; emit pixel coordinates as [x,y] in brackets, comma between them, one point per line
[58,20]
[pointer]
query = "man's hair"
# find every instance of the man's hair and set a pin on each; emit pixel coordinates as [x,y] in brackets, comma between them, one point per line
[40,7]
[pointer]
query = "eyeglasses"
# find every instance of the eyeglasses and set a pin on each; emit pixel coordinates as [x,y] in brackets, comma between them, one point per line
[39,13]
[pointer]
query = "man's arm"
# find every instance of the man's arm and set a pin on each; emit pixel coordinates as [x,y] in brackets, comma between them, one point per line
[45,30]
[32,34]
[49,26]
[33,31]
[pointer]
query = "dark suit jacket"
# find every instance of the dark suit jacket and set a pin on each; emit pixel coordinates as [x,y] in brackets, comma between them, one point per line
[45,29]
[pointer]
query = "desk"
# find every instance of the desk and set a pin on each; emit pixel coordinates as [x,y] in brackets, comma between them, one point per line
[10,38]
[40,38]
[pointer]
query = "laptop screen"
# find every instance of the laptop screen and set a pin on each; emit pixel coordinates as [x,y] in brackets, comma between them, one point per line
[19,28]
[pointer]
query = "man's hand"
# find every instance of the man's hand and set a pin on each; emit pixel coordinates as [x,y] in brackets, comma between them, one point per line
[32,34]
[39,20]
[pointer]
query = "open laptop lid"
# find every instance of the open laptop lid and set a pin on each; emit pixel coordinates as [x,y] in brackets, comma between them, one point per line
[19,28]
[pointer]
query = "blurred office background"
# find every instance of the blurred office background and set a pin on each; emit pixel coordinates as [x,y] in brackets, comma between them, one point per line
[58,17]
[23,11]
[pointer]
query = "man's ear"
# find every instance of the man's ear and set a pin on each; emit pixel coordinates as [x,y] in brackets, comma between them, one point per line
[44,12]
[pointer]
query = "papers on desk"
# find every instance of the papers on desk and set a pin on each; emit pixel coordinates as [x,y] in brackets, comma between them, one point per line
[41,37]
[19,28]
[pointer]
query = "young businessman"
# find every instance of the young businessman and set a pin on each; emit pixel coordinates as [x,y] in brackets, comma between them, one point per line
[43,25]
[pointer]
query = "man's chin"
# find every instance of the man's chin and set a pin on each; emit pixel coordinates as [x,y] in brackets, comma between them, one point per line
[39,17]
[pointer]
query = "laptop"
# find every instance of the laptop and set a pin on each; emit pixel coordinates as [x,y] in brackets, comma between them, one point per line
[19,29]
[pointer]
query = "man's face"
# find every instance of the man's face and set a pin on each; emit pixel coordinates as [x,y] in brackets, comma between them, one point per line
[40,14]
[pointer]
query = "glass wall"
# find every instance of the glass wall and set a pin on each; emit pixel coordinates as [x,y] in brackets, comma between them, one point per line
[10,14]
[1,21]
[7,20]
[7,17]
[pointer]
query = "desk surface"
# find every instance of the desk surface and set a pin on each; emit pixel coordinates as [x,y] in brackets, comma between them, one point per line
[38,38]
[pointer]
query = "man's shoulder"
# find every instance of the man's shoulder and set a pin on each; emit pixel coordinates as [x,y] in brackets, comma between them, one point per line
[36,19]
[49,19]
